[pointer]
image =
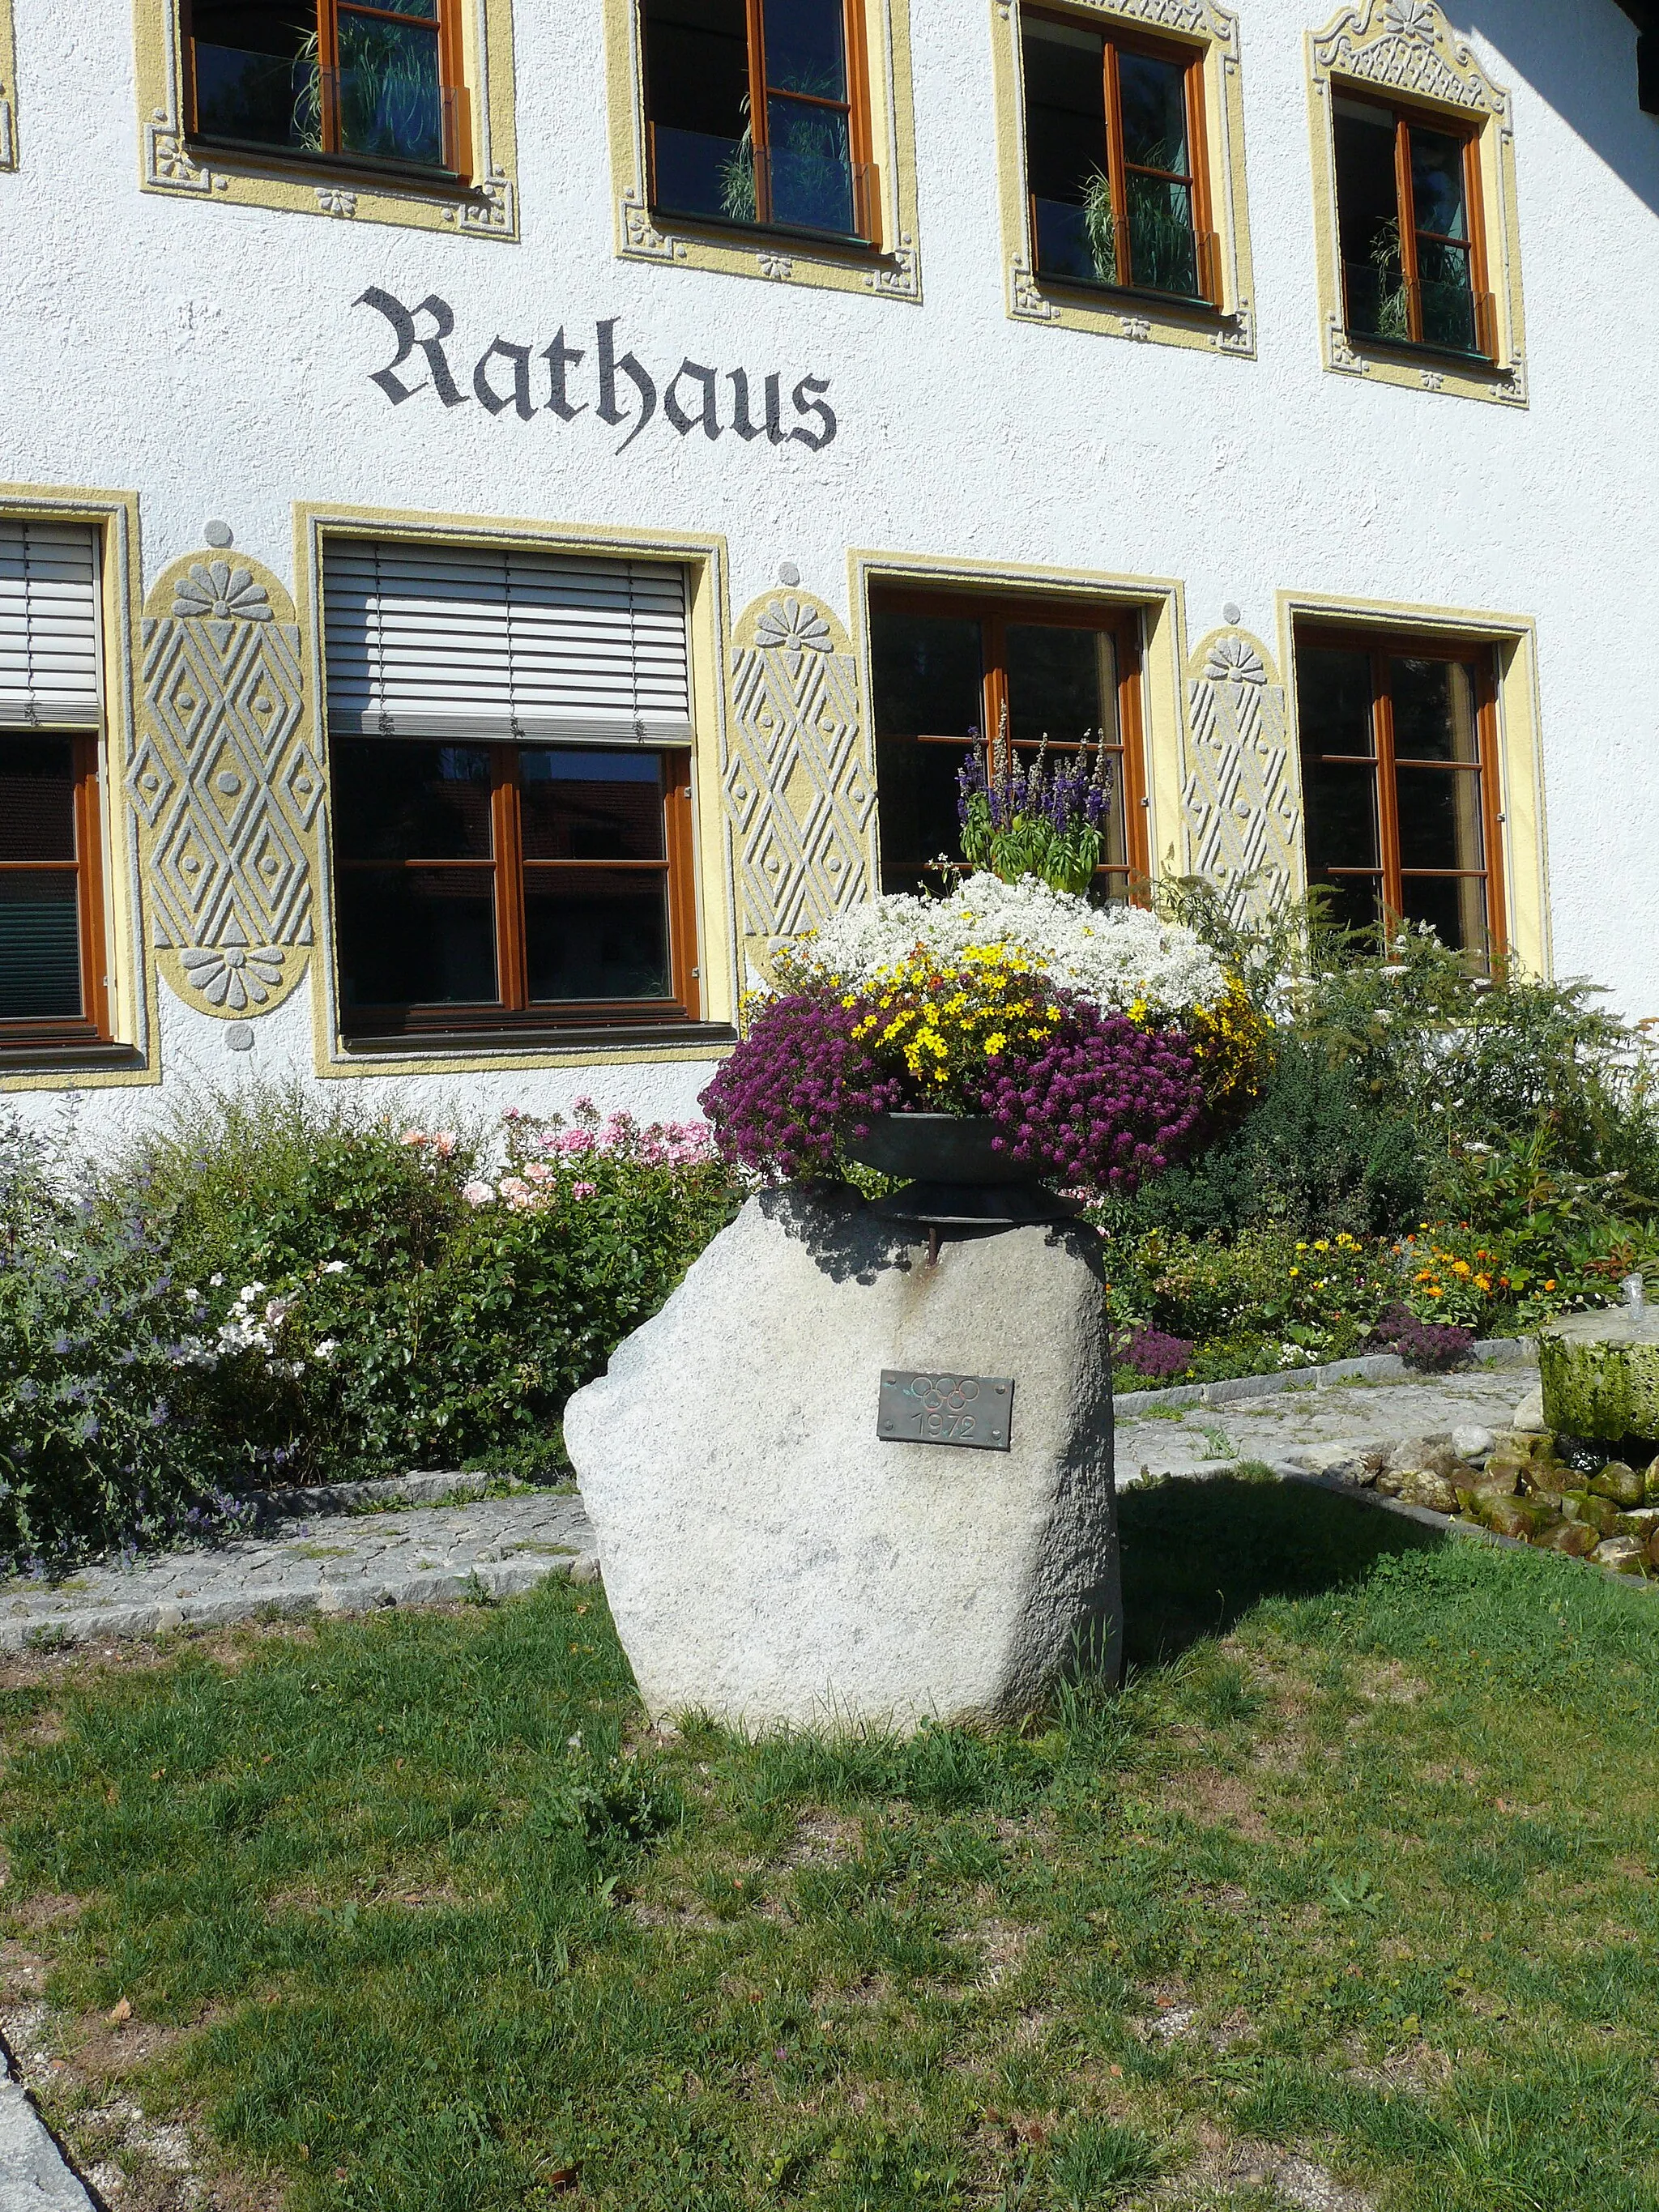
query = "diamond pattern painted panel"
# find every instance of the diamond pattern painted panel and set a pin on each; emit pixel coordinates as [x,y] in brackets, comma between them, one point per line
[227,786]
[800,800]
[1244,818]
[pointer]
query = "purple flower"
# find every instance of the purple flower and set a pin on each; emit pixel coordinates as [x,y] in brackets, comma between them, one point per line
[1153,1351]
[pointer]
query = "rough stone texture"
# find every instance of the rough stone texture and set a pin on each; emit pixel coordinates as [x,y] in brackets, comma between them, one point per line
[1600,1374]
[769,1559]
[1528,1415]
[1471,1441]
[347,1563]
[33,2175]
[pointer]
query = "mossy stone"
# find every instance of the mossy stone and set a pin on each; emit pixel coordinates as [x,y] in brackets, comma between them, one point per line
[1619,1482]
[1599,1373]
[1597,1513]
[1576,1538]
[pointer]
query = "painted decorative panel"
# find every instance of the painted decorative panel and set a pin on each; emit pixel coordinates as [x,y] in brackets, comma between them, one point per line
[1243,819]
[800,798]
[226,786]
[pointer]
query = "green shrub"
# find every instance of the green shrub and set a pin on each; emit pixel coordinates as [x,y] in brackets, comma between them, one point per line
[1317,1153]
[272,1291]
[409,1309]
[110,1428]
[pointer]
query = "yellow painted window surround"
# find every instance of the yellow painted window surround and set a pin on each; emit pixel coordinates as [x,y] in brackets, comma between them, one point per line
[8,90]
[766,138]
[1414,206]
[1121,150]
[379,111]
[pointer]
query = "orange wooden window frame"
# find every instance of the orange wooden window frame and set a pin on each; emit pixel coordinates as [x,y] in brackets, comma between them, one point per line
[1405,120]
[506,869]
[867,200]
[1196,179]
[452,82]
[1479,661]
[92,1026]
[1122,624]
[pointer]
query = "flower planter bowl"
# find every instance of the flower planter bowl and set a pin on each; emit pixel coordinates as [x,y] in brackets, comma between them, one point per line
[956,1178]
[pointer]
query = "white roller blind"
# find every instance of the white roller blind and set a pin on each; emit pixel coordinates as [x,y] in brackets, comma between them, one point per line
[48,626]
[464,641]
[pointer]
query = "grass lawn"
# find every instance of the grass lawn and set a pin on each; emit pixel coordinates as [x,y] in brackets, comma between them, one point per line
[1348,1900]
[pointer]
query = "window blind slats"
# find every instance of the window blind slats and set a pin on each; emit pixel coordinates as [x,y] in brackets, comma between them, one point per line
[482,642]
[48,626]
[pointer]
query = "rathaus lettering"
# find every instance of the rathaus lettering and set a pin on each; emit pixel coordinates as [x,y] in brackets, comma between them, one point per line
[549,379]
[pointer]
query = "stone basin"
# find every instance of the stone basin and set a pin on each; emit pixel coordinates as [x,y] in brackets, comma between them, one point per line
[1599,1373]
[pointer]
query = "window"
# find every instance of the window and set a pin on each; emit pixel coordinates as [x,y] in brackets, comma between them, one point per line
[1114,160]
[52,935]
[510,738]
[756,115]
[1400,782]
[370,83]
[1408,213]
[942,669]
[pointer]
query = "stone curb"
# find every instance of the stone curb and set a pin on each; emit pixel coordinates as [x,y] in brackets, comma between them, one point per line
[122,1623]
[347,1497]
[35,2174]
[1372,1367]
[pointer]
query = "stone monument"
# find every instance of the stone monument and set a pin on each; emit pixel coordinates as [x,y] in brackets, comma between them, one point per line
[834,1482]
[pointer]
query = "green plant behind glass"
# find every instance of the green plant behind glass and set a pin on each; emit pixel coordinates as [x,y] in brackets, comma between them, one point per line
[387,91]
[1161,242]
[737,174]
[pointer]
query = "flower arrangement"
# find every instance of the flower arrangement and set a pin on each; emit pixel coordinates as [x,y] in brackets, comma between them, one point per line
[1123,958]
[1026,818]
[1086,1037]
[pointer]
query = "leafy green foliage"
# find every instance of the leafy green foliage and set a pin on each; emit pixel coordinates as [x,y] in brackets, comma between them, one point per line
[270,1290]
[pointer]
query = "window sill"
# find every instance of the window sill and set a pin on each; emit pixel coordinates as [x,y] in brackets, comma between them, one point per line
[1407,350]
[26,1056]
[721,233]
[1125,299]
[617,1037]
[354,168]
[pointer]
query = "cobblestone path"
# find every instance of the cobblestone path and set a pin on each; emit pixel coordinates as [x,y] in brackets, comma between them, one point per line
[1202,1439]
[341,1563]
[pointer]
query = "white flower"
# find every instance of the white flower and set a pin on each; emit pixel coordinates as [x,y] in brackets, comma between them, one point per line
[193,1297]
[326,1350]
[334,1266]
[216,1282]
[477,1191]
[1115,955]
[277,1310]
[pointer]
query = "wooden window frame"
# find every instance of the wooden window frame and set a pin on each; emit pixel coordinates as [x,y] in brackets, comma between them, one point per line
[92,1026]
[1206,250]
[512,1010]
[1480,659]
[457,165]
[1482,304]
[865,237]
[995,613]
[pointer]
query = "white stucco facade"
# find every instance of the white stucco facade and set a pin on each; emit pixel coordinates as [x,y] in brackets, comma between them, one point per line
[202,358]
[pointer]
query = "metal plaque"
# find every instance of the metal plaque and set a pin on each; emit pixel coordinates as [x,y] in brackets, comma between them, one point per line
[945,1409]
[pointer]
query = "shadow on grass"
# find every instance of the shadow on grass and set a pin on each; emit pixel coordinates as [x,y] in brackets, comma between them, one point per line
[1199,1554]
